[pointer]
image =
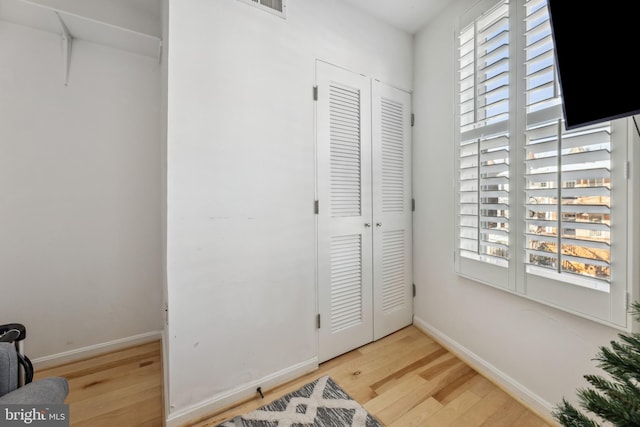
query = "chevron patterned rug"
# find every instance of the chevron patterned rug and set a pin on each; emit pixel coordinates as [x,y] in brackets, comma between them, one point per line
[321,403]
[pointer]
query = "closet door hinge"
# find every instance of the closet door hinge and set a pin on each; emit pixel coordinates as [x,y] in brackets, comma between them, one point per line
[315,93]
[414,289]
[413,119]
[413,205]
[316,207]
[318,321]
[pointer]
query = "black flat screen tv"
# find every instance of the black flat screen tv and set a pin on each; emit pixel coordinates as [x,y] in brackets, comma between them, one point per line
[595,50]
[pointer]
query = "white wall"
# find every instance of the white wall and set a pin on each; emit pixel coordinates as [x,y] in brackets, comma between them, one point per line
[540,353]
[79,194]
[241,252]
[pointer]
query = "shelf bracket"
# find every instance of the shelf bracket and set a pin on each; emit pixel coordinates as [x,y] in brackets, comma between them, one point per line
[67,42]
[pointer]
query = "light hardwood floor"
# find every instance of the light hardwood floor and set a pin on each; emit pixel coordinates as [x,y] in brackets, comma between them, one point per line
[409,380]
[405,379]
[118,389]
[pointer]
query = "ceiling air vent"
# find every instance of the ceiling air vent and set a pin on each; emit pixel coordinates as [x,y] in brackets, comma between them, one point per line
[277,7]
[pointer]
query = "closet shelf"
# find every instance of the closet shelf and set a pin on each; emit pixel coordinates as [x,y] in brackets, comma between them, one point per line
[24,12]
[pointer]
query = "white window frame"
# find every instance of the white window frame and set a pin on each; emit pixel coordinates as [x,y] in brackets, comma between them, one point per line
[575,295]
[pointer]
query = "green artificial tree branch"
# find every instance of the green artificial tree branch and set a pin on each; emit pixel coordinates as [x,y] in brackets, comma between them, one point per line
[616,400]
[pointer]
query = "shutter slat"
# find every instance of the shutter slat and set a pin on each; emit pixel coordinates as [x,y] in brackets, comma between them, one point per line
[494,181]
[589,226]
[585,260]
[586,157]
[587,243]
[586,209]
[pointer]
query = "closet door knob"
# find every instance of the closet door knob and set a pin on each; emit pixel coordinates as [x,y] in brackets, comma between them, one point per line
[367,224]
[378,224]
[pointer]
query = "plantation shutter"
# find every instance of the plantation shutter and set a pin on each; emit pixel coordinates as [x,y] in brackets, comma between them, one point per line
[568,189]
[568,178]
[483,146]
[542,211]
[568,202]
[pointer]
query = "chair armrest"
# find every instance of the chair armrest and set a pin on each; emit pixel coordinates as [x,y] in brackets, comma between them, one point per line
[18,332]
[45,391]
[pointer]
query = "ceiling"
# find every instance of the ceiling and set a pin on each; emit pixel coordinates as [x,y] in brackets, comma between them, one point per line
[407,15]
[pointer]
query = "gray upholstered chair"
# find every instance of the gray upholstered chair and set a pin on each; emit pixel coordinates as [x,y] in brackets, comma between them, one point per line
[44,391]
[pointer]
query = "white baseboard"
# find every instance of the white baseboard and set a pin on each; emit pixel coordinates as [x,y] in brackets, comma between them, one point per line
[244,391]
[521,393]
[93,350]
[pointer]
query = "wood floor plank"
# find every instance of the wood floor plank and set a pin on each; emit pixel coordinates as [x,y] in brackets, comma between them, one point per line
[505,416]
[403,399]
[383,401]
[137,389]
[417,416]
[137,413]
[372,367]
[427,359]
[375,370]
[453,410]
[130,374]
[391,341]
[530,419]
[486,407]
[449,383]
[451,391]
[480,385]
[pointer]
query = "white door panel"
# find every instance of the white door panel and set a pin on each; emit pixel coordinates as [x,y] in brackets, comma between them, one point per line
[344,218]
[392,209]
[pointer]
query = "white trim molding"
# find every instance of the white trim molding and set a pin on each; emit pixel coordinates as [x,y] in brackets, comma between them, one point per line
[244,391]
[94,350]
[518,391]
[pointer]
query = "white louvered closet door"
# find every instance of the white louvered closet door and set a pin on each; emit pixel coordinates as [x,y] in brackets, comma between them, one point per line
[392,210]
[345,292]
[365,212]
